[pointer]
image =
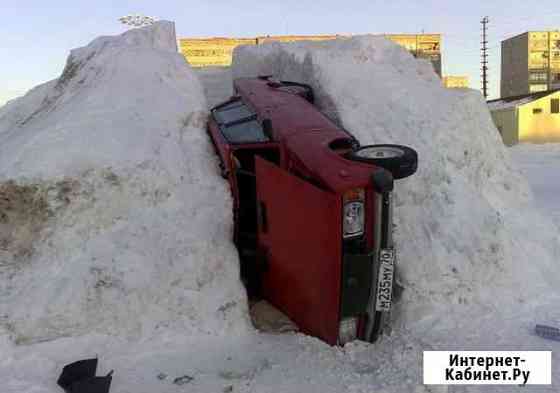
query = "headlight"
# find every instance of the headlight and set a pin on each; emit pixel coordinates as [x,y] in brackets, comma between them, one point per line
[353,213]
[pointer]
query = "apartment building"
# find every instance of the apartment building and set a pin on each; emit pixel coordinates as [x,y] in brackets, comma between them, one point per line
[455,81]
[530,63]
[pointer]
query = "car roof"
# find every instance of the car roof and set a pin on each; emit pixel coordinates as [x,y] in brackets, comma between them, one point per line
[305,132]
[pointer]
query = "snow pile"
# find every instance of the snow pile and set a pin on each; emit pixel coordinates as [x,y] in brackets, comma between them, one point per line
[470,242]
[113,219]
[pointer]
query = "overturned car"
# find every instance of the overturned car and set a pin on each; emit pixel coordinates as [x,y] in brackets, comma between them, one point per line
[313,209]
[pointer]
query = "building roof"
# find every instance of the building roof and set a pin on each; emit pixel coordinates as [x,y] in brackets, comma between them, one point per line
[509,102]
[515,36]
[528,32]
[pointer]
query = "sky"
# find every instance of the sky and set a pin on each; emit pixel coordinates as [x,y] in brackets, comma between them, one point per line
[38,35]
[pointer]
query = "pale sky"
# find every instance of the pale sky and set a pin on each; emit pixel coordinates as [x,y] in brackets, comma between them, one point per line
[37,35]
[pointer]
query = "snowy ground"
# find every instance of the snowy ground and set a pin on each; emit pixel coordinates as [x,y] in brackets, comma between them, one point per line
[207,343]
[260,363]
[541,166]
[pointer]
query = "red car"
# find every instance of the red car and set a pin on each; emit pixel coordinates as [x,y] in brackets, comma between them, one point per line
[312,208]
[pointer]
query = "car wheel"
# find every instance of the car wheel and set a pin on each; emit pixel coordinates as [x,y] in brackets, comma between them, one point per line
[401,161]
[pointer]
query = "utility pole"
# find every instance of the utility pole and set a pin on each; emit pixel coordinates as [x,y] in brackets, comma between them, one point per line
[484,56]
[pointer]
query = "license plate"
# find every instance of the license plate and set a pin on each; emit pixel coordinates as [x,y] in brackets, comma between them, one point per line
[385,280]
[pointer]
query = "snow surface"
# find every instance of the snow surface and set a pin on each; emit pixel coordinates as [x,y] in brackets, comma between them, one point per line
[541,165]
[217,82]
[506,104]
[122,246]
[136,232]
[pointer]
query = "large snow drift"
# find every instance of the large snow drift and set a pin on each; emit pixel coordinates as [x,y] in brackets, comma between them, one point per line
[113,219]
[470,242]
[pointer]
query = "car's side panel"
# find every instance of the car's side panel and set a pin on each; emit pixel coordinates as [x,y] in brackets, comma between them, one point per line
[300,234]
[305,133]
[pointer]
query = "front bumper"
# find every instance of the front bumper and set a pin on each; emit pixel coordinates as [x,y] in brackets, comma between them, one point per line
[362,277]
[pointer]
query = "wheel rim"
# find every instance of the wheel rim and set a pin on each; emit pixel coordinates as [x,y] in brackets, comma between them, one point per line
[379,152]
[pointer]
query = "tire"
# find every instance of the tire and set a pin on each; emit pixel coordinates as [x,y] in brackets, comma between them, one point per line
[401,161]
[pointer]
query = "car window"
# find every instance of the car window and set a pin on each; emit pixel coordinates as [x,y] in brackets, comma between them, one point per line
[250,131]
[232,112]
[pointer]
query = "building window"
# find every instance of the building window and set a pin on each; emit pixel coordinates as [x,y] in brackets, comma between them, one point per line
[537,59]
[537,88]
[538,76]
[536,111]
[555,105]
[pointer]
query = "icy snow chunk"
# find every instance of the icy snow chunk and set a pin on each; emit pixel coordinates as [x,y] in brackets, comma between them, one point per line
[113,218]
[469,239]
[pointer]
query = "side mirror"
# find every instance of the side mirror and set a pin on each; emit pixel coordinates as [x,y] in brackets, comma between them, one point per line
[267,128]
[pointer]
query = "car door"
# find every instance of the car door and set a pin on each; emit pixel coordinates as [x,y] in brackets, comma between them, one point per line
[299,237]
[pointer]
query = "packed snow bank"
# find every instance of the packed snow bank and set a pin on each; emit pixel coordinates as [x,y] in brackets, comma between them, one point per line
[469,239]
[113,219]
